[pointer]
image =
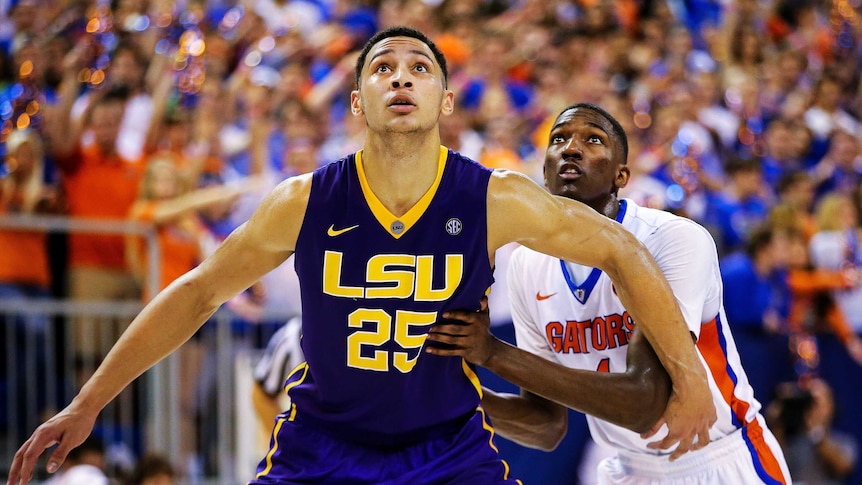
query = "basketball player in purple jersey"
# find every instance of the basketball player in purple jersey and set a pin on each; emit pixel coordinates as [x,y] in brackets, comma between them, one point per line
[386,240]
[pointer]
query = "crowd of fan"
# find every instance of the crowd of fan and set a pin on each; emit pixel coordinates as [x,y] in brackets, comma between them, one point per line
[741,114]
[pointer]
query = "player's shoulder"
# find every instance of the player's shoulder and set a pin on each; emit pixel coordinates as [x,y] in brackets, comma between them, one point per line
[512,192]
[509,180]
[657,222]
[277,219]
[292,190]
[461,160]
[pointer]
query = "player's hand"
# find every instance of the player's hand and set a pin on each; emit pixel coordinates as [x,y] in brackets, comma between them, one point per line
[469,337]
[688,416]
[68,429]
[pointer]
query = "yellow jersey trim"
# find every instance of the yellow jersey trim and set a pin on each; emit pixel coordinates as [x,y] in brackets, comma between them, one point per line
[471,374]
[490,430]
[382,214]
[272,450]
[303,367]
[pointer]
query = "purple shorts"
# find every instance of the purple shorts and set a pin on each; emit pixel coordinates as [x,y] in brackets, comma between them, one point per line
[302,453]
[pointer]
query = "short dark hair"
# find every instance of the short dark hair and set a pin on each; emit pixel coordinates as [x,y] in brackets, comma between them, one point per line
[618,130]
[149,466]
[790,180]
[762,236]
[738,164]
[402,31]
[92,445]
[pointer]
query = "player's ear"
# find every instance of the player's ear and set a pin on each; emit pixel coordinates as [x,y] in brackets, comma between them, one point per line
[623,174]
[448,106]
[355,103]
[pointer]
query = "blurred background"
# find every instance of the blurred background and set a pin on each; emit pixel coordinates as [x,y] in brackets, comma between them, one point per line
[136,134]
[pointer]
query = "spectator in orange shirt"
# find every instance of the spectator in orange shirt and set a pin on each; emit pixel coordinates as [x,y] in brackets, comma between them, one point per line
[812,308]
[164,202]
[23,192]
[24,275]
[98,183]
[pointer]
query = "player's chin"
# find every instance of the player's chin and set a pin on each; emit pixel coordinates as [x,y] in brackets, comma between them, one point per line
[568,190]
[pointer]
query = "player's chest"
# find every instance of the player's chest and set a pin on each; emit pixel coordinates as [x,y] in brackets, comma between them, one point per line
[586,326]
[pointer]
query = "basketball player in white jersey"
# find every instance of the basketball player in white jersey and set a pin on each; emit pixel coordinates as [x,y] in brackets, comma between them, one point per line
[570,316]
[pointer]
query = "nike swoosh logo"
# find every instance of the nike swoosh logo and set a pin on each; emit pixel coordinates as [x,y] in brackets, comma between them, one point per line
[540,296]
[333,232]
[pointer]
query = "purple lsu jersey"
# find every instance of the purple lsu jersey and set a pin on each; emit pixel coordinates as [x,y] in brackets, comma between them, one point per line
[372,285]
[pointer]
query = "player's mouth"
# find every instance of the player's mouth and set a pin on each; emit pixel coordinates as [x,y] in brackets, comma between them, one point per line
[401,104]
[570,171]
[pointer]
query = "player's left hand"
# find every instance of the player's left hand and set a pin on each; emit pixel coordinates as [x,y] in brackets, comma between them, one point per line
[470,337]
[689,415]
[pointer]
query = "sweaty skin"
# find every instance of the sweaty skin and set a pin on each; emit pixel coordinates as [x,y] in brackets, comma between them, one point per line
[402,94]
[585,163]
[538,418]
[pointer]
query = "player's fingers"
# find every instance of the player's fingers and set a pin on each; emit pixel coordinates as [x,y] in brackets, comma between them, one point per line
[702,439]
[17,464]
[58,457]
[448,352]
[462,315]
[663,444]
[683,448]
[448,330]
[441,338]
[652,431]
[25,458]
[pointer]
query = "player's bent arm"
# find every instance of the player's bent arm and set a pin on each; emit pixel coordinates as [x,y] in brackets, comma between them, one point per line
[521,211]
[526,419]
[175,314]
[634,399]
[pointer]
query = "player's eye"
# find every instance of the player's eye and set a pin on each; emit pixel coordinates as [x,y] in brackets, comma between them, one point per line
[422,68]
[558,139]
[595,139]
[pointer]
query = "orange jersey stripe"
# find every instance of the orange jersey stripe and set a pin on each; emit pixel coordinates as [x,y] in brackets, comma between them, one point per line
[712,347]
[765,461]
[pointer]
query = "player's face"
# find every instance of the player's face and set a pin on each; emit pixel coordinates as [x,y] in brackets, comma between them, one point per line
[583,161]
[401,87]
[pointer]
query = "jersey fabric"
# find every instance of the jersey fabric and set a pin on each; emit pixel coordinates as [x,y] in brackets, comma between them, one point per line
[571,314]
[721,463]
[372,285]
[283,354]
[302,453]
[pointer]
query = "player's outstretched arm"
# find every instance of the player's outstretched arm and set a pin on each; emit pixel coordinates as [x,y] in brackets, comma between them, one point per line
[521,211]
[172,318]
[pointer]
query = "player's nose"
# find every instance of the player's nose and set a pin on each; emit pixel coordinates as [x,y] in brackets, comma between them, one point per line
[573,148]
[401,78]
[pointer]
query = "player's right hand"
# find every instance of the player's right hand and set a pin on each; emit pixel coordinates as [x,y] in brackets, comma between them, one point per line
[689,416]
[68,429]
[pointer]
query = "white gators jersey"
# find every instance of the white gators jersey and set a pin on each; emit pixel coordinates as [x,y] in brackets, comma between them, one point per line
[571,314]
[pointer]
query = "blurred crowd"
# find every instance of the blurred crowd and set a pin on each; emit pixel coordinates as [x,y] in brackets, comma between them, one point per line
[743,115]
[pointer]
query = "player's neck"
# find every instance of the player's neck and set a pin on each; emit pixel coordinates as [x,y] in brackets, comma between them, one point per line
[400,169]
[609,207]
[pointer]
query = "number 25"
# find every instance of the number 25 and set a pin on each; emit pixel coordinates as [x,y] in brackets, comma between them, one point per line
[381,334]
